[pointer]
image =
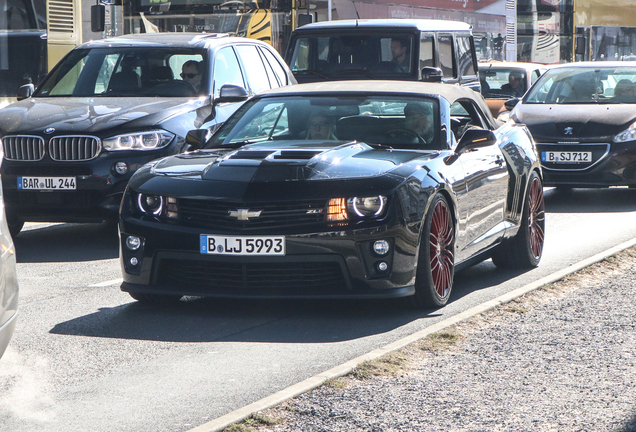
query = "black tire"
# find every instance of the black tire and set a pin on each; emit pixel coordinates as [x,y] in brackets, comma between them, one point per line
[436,262]
[524,250]
[155,299]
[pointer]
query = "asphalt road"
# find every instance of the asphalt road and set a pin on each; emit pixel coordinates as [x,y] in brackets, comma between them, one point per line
[87,357]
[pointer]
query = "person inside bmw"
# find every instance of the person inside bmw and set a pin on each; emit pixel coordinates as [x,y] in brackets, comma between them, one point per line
[516,86]
[191,73]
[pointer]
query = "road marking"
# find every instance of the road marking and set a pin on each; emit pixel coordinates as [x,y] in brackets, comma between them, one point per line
[311,383]
[107,283]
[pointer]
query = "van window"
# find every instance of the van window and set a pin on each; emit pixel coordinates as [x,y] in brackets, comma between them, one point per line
[445,44]
[465,56]
[427,57]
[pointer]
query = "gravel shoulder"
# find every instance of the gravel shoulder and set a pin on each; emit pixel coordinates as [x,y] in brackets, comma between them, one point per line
[561,358]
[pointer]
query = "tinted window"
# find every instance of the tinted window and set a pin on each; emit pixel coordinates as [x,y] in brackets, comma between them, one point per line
[226,70]
[255,72]
[465,56]
[426,51]
[445,44]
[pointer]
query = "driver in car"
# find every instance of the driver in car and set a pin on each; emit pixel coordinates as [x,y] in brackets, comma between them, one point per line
[191,73]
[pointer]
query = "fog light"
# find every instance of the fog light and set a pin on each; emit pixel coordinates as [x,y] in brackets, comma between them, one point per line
[382,266]
[133,243]
[134,261]
[381,247]
[121,168]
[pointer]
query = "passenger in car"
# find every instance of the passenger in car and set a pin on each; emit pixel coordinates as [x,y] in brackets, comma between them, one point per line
[418,118]
[320,127]
[625,91]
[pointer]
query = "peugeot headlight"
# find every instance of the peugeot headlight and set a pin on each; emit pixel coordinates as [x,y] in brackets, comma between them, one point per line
[140,141]
[627,135]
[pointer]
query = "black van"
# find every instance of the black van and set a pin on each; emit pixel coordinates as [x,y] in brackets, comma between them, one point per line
[395,49]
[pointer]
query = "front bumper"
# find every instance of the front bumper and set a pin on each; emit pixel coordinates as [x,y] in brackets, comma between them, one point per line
[612,165]
[98,193]
[335,264]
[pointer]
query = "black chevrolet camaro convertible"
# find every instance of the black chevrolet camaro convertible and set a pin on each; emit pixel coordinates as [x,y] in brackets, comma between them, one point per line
[350,189]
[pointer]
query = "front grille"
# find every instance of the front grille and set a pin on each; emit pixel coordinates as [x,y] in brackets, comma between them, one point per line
[211,214]
[76,198]
[292,278]
[23,148]
[74,148]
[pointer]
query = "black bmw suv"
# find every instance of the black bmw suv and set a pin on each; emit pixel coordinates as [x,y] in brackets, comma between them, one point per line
[111,106]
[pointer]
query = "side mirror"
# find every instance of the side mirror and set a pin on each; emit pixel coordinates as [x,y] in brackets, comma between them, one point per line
[475,138]
[511,103]
[25,91]
[197,138]
[232,93]
[432,74]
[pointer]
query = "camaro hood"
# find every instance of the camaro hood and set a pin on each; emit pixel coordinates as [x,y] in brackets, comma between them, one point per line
[575,121]
[288,163]
[90,115]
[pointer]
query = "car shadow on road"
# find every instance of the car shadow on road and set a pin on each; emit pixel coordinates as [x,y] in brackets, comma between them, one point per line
[67,243]
[273,321]
[607,200]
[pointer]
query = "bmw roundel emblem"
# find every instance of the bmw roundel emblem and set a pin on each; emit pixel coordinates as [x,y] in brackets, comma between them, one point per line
[49,130]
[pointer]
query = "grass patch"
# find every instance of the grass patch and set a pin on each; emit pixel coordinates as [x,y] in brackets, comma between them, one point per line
[253,421]
[441,340]
[389,364]
[335,383]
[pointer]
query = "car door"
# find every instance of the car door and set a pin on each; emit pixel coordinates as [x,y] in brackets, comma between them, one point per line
[486,177]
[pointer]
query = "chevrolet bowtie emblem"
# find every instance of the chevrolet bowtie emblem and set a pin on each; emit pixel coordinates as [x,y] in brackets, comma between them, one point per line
[244,214]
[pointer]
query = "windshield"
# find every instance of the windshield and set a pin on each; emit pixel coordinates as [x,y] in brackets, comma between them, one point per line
[578,85]
[366,54]
[110,72]
[330,121]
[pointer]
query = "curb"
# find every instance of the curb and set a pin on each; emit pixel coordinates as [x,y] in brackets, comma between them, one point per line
[290,392]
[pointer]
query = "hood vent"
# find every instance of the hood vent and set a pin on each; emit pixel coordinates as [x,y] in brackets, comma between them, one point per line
[251,154]
[296,154]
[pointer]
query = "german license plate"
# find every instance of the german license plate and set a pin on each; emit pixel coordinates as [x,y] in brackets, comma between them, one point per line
[566,156]
[47,183]
[244,245]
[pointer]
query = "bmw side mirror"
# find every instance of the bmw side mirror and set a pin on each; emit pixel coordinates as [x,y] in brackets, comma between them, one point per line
[232,93]
[511,103]
[197,138]
[25,91]
[432,74]
[475,138]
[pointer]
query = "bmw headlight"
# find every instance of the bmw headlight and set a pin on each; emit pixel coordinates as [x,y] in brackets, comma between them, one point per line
[627,135]
[140,141]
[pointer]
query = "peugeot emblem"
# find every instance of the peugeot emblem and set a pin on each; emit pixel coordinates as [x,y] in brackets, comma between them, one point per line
[49,130]
[568,131]
[244,214]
